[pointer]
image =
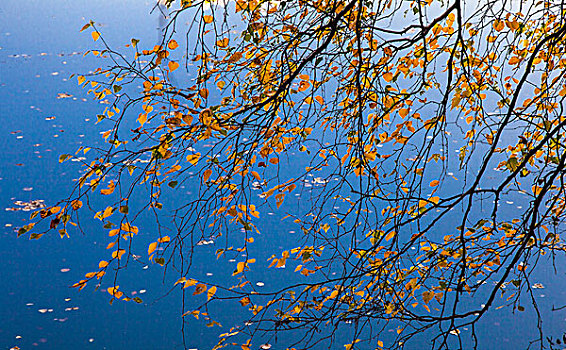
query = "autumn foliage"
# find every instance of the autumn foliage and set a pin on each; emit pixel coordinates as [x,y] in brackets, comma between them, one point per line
[405,127]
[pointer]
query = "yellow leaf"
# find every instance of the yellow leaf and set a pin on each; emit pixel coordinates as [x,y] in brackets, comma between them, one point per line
[334,294]
[142,118]
[239,268]
[208,19]
[102,264]
[95,36]
[151,248]
[210,293]
[107,212]
[190,282]
[118,253]
[129,228]
[81,79]
[193,158]
[164,239]
[181,280]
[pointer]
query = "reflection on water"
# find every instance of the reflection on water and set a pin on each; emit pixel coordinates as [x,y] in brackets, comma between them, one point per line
[35,299]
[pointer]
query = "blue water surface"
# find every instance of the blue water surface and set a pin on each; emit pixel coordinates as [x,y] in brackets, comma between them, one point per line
[40,47]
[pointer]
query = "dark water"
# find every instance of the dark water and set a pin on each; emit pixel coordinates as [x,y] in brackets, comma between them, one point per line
[40,47]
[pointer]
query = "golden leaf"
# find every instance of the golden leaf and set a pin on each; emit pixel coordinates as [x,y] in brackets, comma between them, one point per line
[245,301]
[172,45]
[173,65]
[110,188]
[210,293]
[390,235]
[107,212]
[152,248]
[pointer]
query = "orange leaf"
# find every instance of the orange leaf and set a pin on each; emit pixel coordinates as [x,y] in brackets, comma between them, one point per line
[208,19]
[390,235]
[206,175]
[199,288]
[223,42]
[172,45]
[95,36]
[434,183]
[110,189]
[256,175]
[173,65]
[498,25]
